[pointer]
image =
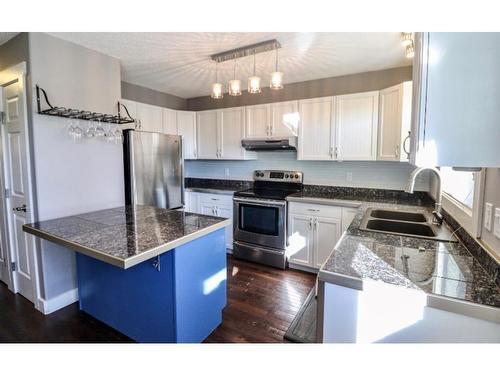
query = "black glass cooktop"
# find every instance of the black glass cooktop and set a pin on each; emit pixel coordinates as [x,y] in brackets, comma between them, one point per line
[266,193]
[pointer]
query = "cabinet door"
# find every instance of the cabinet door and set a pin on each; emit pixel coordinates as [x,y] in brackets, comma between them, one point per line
[191,201]
[169,121]
[151,117]
[348,215]
[356,123]
[132,111]
[315,129]
[284,119]
[207,135]
[257,121]
[207,209]
[226,211]
[186,127]
[390,116]
[299,249]
[232,131]
[326,235]
[459,112]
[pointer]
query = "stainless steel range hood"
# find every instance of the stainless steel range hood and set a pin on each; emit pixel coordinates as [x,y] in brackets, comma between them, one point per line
[270,144]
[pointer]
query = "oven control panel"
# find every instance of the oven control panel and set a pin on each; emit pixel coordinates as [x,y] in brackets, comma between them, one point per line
[278,176]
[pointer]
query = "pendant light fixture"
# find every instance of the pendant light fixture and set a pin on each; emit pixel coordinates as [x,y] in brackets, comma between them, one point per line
[410,51]
[234,84]
[254,81]
[406,39]
[276,77]
[217,88]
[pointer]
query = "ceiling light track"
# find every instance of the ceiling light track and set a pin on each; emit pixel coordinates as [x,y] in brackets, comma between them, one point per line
[252,49]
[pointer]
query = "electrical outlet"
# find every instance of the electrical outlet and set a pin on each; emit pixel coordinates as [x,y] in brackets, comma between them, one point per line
[226,172]
[488,211]
[496,225]
[348,177]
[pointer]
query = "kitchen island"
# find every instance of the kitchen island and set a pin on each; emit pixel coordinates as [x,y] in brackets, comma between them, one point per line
[155,275]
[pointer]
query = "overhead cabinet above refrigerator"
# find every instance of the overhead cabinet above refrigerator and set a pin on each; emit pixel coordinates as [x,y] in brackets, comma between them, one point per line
[456,110]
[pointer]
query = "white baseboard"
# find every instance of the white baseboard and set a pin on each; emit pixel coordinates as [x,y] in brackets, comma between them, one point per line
[48,306]
[300,267]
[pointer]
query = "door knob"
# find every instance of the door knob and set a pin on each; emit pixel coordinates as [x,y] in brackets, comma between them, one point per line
[20,209]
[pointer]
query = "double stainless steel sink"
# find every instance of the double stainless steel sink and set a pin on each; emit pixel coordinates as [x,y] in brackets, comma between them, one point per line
[405,223]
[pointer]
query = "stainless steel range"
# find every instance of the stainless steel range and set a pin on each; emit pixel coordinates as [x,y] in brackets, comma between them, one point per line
[260,217]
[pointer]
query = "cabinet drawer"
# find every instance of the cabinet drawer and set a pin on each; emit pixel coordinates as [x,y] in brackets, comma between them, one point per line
[215,198]
[315,210]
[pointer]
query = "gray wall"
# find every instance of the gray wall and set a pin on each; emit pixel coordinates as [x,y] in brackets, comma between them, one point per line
[153,97]
[14,51]
[492,195]
[72,178]
[309,89]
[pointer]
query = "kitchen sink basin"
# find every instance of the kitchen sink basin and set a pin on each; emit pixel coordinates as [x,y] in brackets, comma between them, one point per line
[405,223]
[401,227]
[398,215]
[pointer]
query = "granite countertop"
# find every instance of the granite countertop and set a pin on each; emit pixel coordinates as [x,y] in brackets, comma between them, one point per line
[126,236]
[223,190]
[440,269]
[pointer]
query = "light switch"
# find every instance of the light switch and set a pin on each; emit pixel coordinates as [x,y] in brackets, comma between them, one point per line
[496,225]
[488,212]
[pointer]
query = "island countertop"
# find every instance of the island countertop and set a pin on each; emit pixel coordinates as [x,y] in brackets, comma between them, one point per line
[128,235]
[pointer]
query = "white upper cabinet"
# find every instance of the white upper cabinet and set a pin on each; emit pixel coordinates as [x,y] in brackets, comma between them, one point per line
[232,131]
[219,134]
[356,123]
[316,129]
[186,127]
[284,119]
[207,134]
[150,117]
[394,122]
[169,121]
[258,121]
[456,92]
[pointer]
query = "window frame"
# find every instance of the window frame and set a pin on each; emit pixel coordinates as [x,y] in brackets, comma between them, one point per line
[469,218]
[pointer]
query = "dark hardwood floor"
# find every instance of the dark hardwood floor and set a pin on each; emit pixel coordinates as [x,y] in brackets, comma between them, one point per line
[261,303]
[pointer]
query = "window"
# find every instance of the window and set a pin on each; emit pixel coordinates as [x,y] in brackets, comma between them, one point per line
[462,197]
[458,184]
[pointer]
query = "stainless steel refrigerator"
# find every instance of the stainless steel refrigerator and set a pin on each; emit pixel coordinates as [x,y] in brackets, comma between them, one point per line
[153,169]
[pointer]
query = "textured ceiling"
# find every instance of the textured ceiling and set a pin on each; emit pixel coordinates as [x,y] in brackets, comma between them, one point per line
[179,63]
[5,37]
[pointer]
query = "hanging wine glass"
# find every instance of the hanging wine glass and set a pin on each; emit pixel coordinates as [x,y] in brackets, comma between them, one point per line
[99,130]
[90,132]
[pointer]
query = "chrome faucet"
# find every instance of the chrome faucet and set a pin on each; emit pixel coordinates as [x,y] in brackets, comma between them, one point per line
[438,217]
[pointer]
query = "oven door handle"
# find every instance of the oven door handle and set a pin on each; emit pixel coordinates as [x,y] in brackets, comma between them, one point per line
[266,203]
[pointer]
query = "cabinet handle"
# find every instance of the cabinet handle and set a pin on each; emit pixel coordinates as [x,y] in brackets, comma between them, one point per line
[215,199]
[407,152]
[310,223]
[336,152]
[216,211]
[312,210]
[315,223]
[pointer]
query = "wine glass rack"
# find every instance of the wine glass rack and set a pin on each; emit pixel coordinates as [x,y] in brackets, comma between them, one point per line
[79,114]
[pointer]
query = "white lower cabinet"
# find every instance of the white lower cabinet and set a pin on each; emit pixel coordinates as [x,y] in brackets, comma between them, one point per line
[313,231]
[212,205]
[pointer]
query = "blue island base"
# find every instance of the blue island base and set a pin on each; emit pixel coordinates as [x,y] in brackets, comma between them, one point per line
[179,300]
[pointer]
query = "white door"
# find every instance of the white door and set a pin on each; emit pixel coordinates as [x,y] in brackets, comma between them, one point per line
[284,119]
[390,117]
[17,183]
[300,240]
[232,131]
[356,122]
[151,117]
[186,127]
[4,259]
[226,211]
[326,235]
[169,119]
[316,135]
[257,121]
[207,135]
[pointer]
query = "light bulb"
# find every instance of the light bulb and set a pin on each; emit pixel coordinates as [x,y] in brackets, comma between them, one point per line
[254,85]
[234,87]
[217,91]
[276,80]
[406,39]
[410,51]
